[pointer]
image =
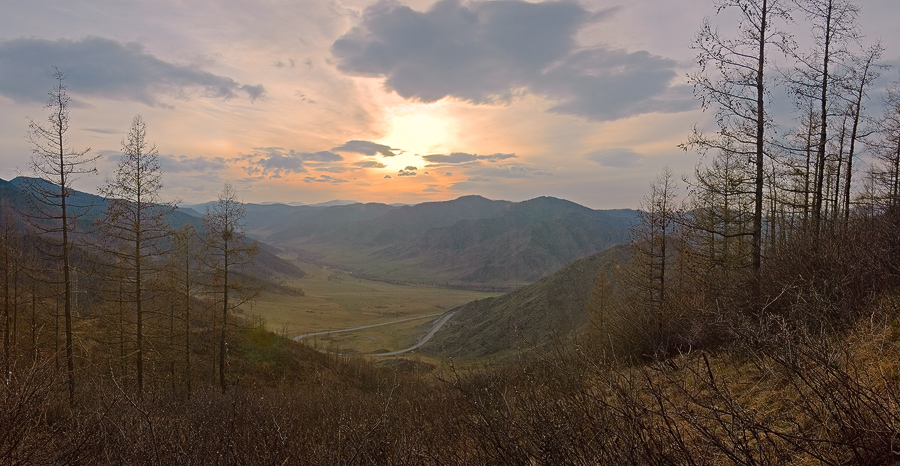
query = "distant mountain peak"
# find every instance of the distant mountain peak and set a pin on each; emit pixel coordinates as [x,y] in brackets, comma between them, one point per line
[335,202]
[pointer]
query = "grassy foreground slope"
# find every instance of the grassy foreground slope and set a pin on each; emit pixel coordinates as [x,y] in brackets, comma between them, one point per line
[815,379]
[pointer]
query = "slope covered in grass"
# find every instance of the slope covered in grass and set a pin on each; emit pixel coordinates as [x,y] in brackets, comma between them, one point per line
[553,308]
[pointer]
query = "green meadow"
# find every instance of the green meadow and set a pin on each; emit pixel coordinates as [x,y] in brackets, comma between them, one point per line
[335,300]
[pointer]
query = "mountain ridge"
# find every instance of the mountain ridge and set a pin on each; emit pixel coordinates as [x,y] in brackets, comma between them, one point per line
[471,240]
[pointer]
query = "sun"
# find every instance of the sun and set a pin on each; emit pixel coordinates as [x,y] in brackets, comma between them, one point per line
[417,130]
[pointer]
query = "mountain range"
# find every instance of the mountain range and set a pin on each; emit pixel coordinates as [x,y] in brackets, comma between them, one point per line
[470,242]
[548,252]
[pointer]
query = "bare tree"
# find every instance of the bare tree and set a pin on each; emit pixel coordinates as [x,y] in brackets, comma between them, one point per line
[134,222]
[834,26]
[650,239]
[10,259]
[733,80]
[720,216]
[863,73]
[227,247]
[182,275]
[55,166]
[884,192]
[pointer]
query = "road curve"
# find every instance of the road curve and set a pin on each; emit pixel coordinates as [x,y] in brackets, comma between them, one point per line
[440,323]
[306,335]
[437,326]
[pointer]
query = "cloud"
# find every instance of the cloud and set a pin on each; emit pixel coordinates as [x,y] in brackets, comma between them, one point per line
[602,84]
[324,179]
[320,156]
[366,148]
[488,51]
[284,64]
[303,97]
[185,164]
[407,172]
[103,130]
[276,162]
[510,171]
[462,157]
[370,164]
[254,92]
[387,177]
[106,68]
[332,169]
[410,168]
[615,158]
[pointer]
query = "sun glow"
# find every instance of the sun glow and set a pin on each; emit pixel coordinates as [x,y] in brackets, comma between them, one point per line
[417,130]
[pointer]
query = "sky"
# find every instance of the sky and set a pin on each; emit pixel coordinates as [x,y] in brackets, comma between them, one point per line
[389,101]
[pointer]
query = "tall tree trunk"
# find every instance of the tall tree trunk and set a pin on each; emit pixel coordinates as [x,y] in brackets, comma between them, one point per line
[823,127]
[222,346]
[756,244]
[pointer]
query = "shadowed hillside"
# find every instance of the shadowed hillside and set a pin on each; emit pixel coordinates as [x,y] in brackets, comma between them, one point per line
[557,306]
[89,207]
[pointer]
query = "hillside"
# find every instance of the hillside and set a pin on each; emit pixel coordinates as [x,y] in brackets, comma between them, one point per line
[554,307]
[89,208]
[524,243]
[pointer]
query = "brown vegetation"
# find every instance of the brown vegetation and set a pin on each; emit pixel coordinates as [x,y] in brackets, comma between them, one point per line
[813,380]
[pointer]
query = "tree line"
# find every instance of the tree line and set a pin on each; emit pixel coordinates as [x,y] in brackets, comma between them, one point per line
[120,288]
[769,182]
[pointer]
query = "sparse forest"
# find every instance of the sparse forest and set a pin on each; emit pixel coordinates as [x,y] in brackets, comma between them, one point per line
[754,318]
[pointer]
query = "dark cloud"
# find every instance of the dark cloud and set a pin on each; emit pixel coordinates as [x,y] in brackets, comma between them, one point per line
[605,84]
[254,92]
[387,177]
[410,168]
[462,157]
[486,51]
[320,156]
[366,148]
[407,172]
[615,158]
[106,68]
[276,162]
[185,164]
[448,174]
[456,157]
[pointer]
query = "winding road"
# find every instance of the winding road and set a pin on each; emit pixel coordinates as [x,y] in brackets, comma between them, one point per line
[437,326]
